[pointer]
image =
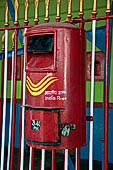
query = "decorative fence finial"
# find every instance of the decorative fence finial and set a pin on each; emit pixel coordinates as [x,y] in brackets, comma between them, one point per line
[13,39]
[16,12]
[81,13]
[69,10]
[3,42]
[36,20]
[108,6]
[6,13]
[94,12]
[47,11]
[58,11]
[26,12]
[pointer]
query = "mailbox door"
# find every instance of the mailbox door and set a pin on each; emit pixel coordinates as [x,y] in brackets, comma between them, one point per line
[42,126]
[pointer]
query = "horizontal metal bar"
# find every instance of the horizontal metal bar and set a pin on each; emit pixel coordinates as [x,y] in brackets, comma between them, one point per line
[19,52]
[16,27]
[91,19]
[73,21]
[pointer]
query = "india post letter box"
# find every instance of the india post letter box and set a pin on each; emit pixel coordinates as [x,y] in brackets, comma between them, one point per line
[55,115]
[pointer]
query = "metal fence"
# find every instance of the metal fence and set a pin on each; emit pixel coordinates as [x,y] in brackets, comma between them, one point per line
[4,53]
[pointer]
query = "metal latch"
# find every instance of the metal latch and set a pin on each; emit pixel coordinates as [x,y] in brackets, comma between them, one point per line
[66,128]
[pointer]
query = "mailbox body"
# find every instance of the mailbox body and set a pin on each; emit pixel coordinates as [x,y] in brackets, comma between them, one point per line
[55,113]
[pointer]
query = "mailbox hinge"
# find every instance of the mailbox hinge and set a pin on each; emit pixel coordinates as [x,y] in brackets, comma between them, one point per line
[89,118]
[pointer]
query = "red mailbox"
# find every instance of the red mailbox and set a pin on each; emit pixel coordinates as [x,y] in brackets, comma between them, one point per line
[55,115]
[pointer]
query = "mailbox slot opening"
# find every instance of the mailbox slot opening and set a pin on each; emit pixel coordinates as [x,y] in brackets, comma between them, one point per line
[41,52]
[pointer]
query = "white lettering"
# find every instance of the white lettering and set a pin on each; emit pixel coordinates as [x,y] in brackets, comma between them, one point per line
[50,92]
[50,98]
[61,92]
[61,98]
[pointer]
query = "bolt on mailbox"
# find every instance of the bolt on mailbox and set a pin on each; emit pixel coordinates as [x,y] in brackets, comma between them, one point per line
[55,113]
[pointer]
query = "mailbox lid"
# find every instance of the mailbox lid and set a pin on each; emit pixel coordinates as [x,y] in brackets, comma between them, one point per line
[42,127]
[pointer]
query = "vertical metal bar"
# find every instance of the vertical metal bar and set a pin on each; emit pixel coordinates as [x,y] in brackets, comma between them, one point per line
[94,12]
[106,99]
[81,13]
[14,100]
[16,12]
[23,112]
[78,158]
[31,159]
[81,7]
[66,159]
[14,90]
[4,104]
[53,159]
[36,20]
[70,163]
[2,81]
[77,163]
[92,95]
[11,110]
[47,11]
[106,95]
[5,88]
[69,10]
[58,11]
[106,88]
[108,7]
[42,159]
[1,102]
[26,12]
[23,91]
[20,131]
[11,102]
[26,23]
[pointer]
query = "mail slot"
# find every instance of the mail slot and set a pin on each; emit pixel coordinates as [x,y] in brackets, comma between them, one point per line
[55,113]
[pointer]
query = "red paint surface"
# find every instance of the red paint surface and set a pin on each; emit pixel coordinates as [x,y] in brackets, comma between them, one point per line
[53,159]
[106,97]
[99,66]
[78,158]
[1,102]
[14,102]
[18,74]
[20,133]
[69,68]
[32,160]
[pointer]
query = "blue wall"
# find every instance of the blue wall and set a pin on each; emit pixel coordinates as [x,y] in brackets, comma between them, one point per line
[99,134]
[17,124]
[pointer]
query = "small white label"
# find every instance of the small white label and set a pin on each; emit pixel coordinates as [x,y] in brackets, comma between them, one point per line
[35,125]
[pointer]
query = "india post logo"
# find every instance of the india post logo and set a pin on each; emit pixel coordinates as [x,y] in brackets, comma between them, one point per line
[38,88]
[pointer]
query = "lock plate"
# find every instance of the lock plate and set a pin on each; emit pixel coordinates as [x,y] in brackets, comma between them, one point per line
[66,128]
